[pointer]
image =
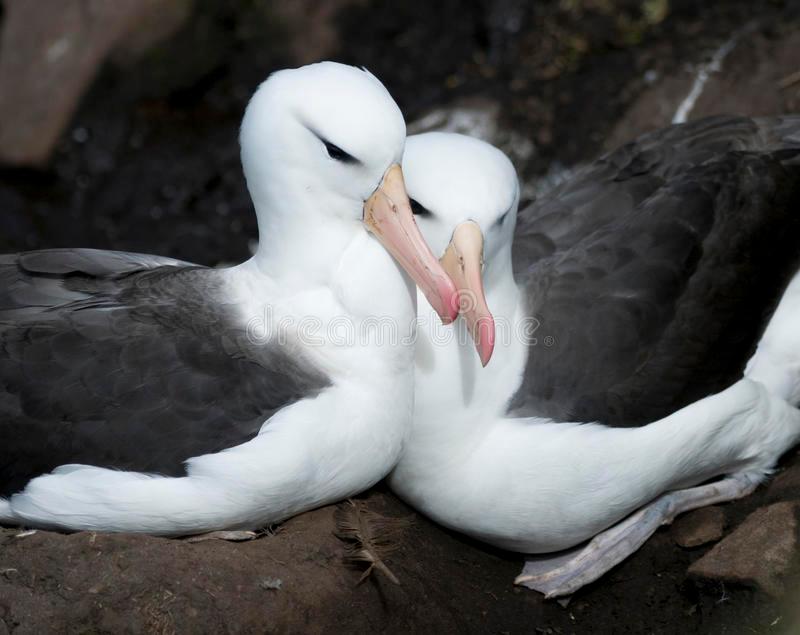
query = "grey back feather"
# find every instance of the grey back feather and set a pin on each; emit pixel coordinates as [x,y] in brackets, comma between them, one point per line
[653,271]
[127,361]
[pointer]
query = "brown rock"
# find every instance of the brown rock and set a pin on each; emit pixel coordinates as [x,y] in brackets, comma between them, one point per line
[754,78]
[758,553]
[753,81]
[699,527]
[49,52]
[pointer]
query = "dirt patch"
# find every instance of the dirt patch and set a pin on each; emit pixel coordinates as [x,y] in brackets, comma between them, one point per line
[296,580]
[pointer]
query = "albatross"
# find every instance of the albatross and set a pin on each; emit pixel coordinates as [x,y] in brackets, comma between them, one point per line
[625,315]
[140,393]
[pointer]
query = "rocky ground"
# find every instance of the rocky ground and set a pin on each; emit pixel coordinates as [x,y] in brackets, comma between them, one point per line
[295,580]
[147,160]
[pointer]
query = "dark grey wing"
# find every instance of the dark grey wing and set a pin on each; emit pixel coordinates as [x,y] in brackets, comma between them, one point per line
[655,269]
[127,361]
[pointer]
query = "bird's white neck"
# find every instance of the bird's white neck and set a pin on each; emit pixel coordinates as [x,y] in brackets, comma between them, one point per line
[326,283]
[301,239]
[453,390]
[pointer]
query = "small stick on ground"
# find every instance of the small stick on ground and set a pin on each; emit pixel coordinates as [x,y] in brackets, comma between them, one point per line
[230,536]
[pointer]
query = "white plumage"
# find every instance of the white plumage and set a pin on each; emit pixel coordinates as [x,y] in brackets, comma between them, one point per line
[316,267]
[537,486]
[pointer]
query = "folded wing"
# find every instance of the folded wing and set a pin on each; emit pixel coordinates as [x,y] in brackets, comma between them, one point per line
[655,269]
[128,361]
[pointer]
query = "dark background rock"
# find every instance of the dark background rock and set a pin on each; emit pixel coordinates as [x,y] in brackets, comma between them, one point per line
[149,162]
[49,52]
[751,80]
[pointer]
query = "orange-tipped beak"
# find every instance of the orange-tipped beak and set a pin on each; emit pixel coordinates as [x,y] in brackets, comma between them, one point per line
[388,215]
[463,261]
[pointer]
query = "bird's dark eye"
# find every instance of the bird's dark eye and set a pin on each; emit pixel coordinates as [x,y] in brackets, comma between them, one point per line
[336,153]
[418,209]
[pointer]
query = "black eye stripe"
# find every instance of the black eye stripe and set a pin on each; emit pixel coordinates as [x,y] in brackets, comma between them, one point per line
[502,219]
[336,153]
[419,210]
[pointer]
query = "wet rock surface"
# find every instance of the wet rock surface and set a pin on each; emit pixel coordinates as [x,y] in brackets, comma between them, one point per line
[149,162]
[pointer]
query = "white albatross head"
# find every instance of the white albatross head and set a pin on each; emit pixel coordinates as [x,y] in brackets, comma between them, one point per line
[321,150]
[464,194]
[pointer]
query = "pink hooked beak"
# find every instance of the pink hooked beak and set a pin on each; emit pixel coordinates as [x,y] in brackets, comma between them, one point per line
[388,215]
[463,261]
